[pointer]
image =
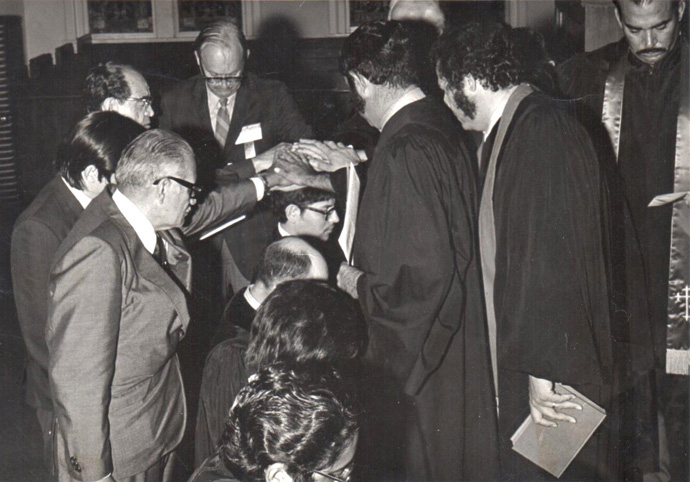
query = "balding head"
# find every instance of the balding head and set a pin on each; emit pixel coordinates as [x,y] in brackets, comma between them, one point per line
[290,258]
[418,10]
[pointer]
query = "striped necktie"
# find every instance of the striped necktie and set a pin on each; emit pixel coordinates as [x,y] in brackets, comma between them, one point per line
[222,122]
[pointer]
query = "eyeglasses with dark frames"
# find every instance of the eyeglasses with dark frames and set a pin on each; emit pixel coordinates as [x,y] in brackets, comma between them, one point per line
[326,213]
[220,79]
[343,475]
[193,188]
[147,100]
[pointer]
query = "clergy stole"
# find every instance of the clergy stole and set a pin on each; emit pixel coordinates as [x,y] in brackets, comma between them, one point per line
[347,235]
[678,334]
[487,225]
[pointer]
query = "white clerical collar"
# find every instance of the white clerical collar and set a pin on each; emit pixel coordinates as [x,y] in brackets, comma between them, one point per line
[498,111]
[250,299]
[141,225]
[83,199]
[412,95]
[282,232]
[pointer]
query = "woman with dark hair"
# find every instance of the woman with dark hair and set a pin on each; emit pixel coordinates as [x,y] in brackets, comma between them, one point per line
[301,322]
[85,161]
[288,424]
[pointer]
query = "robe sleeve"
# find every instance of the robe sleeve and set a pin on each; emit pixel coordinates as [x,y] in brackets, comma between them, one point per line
[409,290]
[551,286]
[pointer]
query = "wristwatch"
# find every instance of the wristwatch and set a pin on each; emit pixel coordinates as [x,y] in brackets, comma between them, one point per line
[267,190]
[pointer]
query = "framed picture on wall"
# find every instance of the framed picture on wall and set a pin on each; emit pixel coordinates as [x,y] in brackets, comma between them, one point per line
[120,16]
[363,11]
[193,15]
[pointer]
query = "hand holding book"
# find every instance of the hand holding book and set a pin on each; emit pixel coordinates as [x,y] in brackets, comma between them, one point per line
[545,403]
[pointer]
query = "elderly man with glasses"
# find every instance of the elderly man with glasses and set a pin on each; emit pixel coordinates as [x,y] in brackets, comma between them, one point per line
[235,122]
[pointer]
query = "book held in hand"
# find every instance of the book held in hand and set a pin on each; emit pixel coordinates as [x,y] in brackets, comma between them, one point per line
[554,448]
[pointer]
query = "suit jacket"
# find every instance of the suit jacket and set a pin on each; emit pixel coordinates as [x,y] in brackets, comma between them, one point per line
[115,318]
[185,111]
[36,236]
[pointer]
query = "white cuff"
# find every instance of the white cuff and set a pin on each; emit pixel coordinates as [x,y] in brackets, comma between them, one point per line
[259,185]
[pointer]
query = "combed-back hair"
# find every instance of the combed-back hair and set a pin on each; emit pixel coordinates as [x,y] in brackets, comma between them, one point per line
[299,197]
[301,417]
[222,33]
[304,321]
[495,54]
[153,154]
[385,53]
[103,81]
[97,139]
[282,261]
[674,3]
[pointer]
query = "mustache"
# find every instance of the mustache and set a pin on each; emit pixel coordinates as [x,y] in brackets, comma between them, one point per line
[652,51]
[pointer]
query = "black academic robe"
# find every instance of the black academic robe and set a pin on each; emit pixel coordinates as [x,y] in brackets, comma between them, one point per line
[650,109]
[421,297]
[550,290]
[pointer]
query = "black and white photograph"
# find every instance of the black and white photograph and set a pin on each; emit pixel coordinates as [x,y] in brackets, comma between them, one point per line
[344,241]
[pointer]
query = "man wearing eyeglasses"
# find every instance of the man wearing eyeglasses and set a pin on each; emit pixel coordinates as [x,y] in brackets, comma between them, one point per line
[119,88]
[235,122]
[118,308]
[311,214]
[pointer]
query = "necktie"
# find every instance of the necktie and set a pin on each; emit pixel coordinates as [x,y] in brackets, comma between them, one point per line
[222,122]
[159,252]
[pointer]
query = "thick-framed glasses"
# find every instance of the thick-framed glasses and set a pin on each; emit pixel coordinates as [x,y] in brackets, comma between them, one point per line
[345,475]
[221,79]
[147,100]
[193,188]
[327,213]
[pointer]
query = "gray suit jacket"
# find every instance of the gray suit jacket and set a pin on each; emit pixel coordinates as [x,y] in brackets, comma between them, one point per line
[114,320]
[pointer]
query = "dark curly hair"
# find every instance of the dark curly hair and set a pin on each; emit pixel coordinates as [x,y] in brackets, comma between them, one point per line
[97,139]
[299,197]
[304,321]
[300,417]
[495,54]
[103,81]
[385,53]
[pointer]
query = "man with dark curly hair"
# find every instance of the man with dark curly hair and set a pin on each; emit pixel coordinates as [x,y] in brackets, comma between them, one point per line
[287,425]
[541,238]
[416,274]
[119,88]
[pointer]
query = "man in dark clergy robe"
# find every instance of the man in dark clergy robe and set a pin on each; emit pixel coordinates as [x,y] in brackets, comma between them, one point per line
[541,239]
[416,274]
[644,79]
[85,162]
[235,122]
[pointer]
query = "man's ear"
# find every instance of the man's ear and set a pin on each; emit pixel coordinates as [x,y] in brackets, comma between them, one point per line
[681,10]
[471,83]
[198,60]
[292,212]
[110,104]
[277,472]
[89,174]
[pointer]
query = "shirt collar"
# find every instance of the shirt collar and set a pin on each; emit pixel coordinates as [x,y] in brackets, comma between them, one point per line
[141,225]
[83,199]
[498,112]
[213,100]
[250,299]
[282,232]
[412,95]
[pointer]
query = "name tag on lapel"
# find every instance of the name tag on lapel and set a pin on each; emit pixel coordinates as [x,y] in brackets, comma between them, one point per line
[248,135]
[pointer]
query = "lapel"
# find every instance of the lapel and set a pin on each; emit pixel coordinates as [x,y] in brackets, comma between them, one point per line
[145,265]
[200,112]
[65,199]
[243,105]
[178,257]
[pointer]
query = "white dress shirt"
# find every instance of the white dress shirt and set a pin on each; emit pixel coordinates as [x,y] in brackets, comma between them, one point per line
[141,225]
[83,199]
[214,106]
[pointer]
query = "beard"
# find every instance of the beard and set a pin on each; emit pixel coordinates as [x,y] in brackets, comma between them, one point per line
[462,102]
